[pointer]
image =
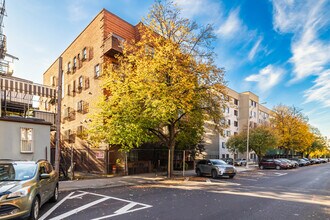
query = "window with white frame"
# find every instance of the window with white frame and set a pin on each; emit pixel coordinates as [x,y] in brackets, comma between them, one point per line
[97,71]
[75,62]
[26,140]
[84,56]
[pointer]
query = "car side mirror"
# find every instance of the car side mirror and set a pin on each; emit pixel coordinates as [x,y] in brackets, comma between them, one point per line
[44,176]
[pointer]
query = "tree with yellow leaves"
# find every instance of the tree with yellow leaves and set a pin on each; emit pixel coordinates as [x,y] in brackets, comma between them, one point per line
[164,87]
[292,129]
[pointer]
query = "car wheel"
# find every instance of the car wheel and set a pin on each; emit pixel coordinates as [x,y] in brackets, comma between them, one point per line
[198,172]
[261,167]
[55,195]
[214,174]
[34,209]
[278,167]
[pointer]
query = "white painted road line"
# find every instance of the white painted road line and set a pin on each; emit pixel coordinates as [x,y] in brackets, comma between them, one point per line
[126,208]
[280,174]
[50,211]
[74,211]
[123,210]
[116,214]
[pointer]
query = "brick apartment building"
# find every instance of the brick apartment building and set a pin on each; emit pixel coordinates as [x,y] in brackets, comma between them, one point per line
[82,64]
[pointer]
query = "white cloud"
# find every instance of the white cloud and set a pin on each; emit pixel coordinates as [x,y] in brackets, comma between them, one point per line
[320,92]
[267,78]
[307,21]
[231,25]
[254,49]
[194,8]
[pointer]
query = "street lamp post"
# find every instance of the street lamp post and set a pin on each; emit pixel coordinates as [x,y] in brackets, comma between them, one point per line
[247,142]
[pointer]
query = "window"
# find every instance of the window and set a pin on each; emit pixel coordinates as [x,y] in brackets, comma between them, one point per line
[84,54]
[69,67]
[228,133]
[235,133]
[80,83]
[228,121]
[74,87]
[223,155]
[227,155]
[80,106]
[87,83]
[26,140]
[254,114]
[223,144]
[69,89]
[74,62]
[235,101]
[236,112]
[236,123]
[97,70]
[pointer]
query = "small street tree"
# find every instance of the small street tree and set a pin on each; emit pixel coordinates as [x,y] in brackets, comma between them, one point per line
[261,139]
[163,87]
[292,129]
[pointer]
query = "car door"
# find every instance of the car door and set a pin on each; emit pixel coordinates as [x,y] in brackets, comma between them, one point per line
[52,180]
[208,167]
[42,183]
[202,165]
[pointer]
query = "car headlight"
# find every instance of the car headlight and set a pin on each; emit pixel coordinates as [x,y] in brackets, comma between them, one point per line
[19,193]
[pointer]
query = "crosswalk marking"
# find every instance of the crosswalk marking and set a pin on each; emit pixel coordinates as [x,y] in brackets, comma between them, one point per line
[129,207]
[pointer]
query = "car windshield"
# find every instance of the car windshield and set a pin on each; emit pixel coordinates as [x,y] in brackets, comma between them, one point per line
[218,162]
[17,171]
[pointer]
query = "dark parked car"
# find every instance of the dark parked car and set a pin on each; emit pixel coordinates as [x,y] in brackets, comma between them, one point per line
[274,164]
[215,168]
[25,186]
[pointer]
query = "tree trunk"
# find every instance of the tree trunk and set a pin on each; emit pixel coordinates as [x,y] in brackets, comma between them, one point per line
[171,147]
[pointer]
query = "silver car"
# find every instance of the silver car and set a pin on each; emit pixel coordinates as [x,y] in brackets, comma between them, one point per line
[215,168]
[25,186]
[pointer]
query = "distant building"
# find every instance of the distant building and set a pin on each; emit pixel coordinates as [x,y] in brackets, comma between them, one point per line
[241,108]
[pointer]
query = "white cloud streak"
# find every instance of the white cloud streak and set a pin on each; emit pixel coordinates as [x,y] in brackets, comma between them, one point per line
[254,49]
[321,90]
[307,21]
[190,9]
[267,77]
[231,26]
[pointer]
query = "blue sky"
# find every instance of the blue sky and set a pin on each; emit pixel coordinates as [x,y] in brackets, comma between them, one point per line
[278,49]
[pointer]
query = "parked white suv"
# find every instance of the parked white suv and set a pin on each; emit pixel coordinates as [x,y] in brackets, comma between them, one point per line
[215,168]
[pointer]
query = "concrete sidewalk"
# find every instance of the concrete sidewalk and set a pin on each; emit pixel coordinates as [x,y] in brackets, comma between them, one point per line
[119,181]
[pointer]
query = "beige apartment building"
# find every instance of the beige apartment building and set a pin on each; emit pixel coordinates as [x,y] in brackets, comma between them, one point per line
[241,109]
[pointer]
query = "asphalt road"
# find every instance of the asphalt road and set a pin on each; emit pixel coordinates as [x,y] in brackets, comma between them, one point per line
[302,193]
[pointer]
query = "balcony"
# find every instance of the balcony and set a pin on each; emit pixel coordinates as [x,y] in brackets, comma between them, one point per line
[112,46]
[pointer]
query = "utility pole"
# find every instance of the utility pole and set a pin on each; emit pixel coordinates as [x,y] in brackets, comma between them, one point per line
[58,117]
